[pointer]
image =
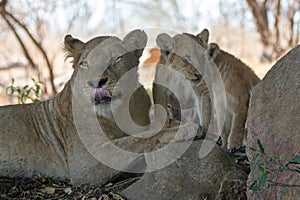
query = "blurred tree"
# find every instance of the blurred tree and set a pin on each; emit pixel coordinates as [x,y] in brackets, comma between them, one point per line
[168,14]
[13,22]
[31,22]
[283,15]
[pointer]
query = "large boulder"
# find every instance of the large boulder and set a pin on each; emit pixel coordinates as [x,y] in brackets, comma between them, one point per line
[191,177]
[274,119]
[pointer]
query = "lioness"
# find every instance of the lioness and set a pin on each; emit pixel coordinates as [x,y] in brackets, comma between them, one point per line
[45,137]
[184,52]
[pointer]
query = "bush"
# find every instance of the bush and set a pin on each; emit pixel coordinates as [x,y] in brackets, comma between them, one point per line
[26,92]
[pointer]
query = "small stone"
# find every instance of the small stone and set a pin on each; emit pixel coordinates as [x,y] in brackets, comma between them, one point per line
[49,190]
[68,190]
[104,197]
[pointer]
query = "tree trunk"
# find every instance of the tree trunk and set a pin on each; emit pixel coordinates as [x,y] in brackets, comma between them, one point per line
[277,49]
[290,15]
[259,13]
[24,49]
[5,16]
[41,49]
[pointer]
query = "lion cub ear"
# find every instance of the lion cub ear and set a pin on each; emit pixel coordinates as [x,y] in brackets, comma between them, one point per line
[212,51]
[204,35]
[165,42]
[135,40]
[73,47]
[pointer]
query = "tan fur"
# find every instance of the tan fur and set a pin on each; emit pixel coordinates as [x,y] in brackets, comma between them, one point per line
[184,51]
[43,137]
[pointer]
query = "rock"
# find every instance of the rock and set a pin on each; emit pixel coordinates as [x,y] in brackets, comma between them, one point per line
[233,186]
[68,190]
[274,118]
[49,190]
[189,177]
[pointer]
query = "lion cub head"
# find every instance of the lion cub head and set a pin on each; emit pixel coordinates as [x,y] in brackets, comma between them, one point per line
[187,53]
[191,57]
[109,67]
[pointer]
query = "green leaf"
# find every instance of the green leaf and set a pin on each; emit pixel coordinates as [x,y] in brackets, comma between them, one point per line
[296,159]
[25,87]
[253,186]
[281,168]
[253,149]
[277,159]
[37,90]
[262,169]
[23,98]
[261,148]
[255,163]
[263,180]
[26,94]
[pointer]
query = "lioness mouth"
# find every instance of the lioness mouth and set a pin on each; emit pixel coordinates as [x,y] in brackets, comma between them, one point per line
[100,96]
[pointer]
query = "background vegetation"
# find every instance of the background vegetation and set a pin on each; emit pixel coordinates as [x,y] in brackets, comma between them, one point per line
[258,31]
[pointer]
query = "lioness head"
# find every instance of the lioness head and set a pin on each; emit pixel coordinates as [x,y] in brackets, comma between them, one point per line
[104,61]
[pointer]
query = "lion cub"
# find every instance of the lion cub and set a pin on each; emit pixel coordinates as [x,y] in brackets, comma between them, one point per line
[185,53]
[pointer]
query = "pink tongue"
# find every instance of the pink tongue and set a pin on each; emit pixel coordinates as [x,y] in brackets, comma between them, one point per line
[99,93]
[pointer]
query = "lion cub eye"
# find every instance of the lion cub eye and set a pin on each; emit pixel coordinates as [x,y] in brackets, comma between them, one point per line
[198,76]
[187,59]
[84,64]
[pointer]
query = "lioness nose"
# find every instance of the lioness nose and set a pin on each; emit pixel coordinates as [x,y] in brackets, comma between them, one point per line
[102,81]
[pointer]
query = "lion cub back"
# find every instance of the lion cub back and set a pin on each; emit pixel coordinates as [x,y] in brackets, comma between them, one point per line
[238,80]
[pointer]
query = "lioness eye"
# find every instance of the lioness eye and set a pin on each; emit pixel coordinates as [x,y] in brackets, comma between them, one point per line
[117,59]
[84,64]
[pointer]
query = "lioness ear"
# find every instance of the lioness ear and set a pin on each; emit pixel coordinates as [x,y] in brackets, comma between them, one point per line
[204,35]
[73,47]
[212,51]
[165,42]
[135,40]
